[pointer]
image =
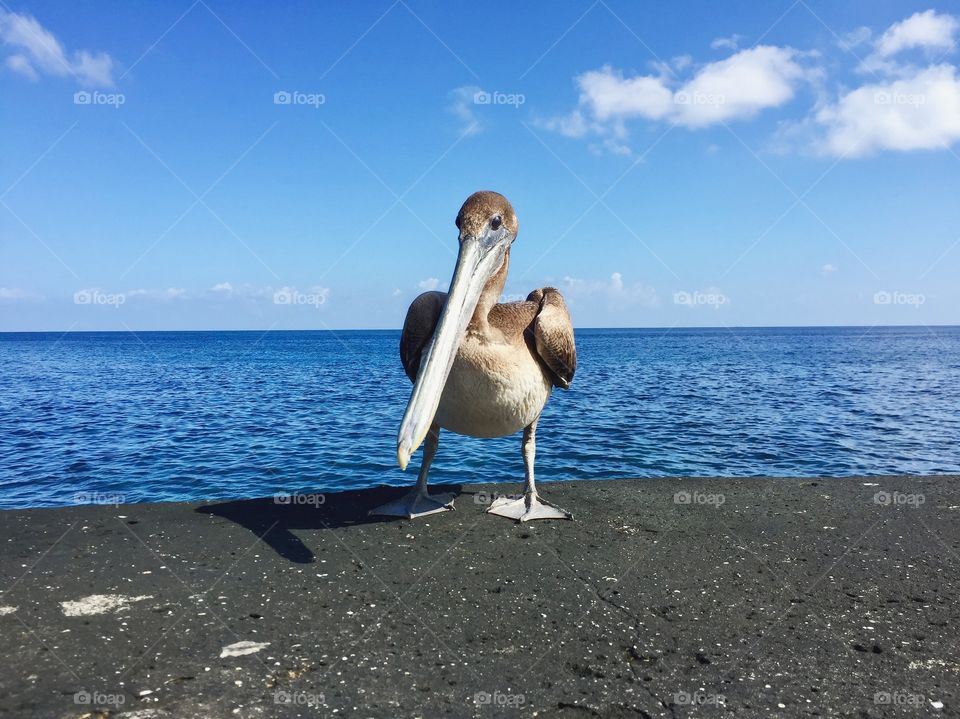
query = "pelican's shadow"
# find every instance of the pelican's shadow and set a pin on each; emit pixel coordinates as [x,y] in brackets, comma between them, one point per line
[273,518]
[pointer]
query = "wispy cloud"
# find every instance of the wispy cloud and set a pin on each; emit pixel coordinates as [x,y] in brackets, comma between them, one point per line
[467,102]
[430,284]
[727,43]
[220,292]
[463,106]
[13,294]
[161,295]
[614,291]
[35,51]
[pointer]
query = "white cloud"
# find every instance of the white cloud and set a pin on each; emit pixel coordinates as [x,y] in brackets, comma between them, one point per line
[857,36]
[729,43]
[164,295]
[904,107]
[608,95]
[923,29]
[828,269]
[917,112]
[21,65]
[13,294]
[463,106]
[573,124]
[680,62]
[735,88]
[220,292]
[430,284]
[613,290]
[928,31]
[36,51]
[245,291]
[740,86]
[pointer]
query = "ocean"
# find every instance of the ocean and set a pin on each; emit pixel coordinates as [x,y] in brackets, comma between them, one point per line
[173,416]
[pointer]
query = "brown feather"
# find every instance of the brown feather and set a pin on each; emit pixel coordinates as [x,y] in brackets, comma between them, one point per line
[553,335]
[418,328]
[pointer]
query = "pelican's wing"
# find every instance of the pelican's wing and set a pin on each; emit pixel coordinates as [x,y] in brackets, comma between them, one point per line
[418,330]
[553,335]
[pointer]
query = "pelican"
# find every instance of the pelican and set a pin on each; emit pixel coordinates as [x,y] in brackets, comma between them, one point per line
[481,368]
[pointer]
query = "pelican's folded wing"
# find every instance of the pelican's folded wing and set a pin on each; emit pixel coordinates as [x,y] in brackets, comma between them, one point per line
[553,335]
[418,327]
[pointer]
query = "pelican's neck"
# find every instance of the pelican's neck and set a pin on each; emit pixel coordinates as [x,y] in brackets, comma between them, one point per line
[490,296]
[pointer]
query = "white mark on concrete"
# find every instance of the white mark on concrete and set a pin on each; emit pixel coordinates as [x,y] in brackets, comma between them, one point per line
[100,604]
[935,664]
[242,648]
[7,610]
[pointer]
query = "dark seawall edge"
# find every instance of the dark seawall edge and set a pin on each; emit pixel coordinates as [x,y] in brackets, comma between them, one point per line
[664,597]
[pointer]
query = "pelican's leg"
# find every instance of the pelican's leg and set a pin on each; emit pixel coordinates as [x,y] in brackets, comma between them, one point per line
[418,502]
[530,506]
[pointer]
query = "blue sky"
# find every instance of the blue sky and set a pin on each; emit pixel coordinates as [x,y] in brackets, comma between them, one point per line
[682,164]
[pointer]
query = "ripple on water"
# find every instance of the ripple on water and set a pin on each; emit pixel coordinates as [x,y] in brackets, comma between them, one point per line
[198,415]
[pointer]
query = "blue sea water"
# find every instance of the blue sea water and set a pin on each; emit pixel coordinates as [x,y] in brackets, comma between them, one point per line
[157,416]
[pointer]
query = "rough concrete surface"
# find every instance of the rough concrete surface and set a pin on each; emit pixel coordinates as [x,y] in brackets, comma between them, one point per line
[663,598]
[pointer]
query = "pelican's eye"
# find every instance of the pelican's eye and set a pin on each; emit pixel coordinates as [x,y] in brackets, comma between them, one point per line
[496,222]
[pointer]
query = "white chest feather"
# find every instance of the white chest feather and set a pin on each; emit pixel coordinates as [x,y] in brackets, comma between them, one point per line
[493,390]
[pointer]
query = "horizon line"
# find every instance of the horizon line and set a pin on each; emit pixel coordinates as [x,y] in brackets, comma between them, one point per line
[397,329]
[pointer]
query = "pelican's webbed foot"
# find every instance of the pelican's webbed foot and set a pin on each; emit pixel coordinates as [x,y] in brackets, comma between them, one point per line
[416,504]
[528,507]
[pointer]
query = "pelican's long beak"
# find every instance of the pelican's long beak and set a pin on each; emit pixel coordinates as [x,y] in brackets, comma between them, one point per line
[479,259]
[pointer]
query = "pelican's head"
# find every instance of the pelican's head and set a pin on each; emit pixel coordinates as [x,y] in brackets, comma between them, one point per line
[486,212]
[488,226]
